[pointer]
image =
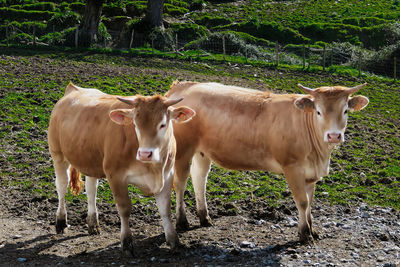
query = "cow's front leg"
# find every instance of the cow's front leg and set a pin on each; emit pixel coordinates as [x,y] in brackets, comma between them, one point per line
[297,183]
[310,188]
[92,217]
[163,200]
[124,205]
[60,168]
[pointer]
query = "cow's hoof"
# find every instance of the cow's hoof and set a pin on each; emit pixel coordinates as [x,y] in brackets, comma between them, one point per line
[206,222]
[93,225]
[94,230]
[173,242]
[127,246]
[182,225]
[61,226]
[315,234]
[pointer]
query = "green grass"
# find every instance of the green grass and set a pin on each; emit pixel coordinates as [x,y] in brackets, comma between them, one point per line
[364,169]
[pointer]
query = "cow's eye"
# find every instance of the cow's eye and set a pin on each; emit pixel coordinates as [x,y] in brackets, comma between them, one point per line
[318,113]
[345,112]
[162,126]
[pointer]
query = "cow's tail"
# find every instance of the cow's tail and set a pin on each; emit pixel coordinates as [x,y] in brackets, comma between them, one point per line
[75,181]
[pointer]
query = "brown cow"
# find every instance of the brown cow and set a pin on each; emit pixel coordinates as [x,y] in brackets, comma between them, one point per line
[244,129]
[127,140]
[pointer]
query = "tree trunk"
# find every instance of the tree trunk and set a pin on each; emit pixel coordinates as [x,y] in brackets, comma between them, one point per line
[90,24]
[155,12]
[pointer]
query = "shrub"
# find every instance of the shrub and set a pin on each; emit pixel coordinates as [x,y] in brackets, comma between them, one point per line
[177,3]
[136,9]
[27,27]
[12,14]
[53,38]
[112,10]
[188,31]
[174,10]
[77,7]
[41,6]
[268,30]
[210,21]
[365,21]
[63,20]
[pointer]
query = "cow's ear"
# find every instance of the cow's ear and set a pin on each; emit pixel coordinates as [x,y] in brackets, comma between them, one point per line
[182,114]
[304,103]
[122,116]
[357,103]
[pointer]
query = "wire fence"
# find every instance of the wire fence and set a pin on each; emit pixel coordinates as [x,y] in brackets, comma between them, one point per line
[225,47]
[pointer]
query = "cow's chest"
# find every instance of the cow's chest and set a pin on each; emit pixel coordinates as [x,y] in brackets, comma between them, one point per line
[148,179]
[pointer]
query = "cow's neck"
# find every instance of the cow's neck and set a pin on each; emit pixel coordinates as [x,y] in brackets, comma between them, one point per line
[321,151]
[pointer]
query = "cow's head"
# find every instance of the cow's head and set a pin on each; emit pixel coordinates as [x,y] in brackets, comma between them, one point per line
[330,106]
[152,117]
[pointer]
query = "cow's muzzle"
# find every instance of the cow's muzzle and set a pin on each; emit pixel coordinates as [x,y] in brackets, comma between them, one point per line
[334,137]
[148,155]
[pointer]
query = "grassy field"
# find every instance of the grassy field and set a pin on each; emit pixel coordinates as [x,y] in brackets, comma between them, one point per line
[364,169]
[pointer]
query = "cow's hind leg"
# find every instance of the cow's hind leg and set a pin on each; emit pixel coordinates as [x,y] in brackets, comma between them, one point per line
[124,205]
[163,200]
[297,184]
[92,217]
[199,171]
[182,167]
[61,168]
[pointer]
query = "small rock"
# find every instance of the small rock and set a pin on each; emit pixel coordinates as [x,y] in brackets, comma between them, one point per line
[291,222]
[306,262]
[247,244]
[16,237]
[21,259]
[325,194]
[380,259]
[356,256]
[365,215]
[389,265]
[259,222]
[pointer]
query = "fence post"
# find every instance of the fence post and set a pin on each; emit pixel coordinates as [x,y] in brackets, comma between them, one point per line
[245,52]
[276,54]
[34,35]
[131,41]
[176,45]
[394,68]
[324,59]
[223,47]
[7,34]
[152,46]
[76,35]
[359,64]
[304,56]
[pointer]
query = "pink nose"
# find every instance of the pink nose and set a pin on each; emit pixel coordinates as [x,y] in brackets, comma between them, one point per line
[334,137]
[145,155]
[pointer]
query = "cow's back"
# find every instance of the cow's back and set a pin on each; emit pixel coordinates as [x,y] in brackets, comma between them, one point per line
[81,131]
[241,128]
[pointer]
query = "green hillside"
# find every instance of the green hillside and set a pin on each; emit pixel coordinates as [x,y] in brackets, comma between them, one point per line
[250,28]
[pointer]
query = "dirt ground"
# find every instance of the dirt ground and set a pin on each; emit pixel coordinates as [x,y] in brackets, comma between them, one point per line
[255,235]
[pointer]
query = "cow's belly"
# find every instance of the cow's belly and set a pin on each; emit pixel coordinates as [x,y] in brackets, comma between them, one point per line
[244,160]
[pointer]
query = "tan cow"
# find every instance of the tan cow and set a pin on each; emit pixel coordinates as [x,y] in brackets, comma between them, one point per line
[244,129]
[127,140]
